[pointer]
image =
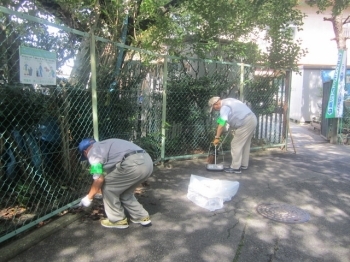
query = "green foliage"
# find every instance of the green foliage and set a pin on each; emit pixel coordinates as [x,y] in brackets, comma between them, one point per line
[151,143]
[187,105]
[186,92]
[228,30]
[337,6]
[346,118]
[283,51]
[21,106]
[225,30]
[118,118]
[23,194]
[261,93]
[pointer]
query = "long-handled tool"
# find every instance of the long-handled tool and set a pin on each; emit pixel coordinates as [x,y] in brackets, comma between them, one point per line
[214,167]
[222,142]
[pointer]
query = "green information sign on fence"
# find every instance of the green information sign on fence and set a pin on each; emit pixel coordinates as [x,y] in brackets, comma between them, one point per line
[37,66]
[336,98]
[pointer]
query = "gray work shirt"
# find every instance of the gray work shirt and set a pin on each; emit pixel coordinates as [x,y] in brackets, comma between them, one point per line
[233,111]
[109,152]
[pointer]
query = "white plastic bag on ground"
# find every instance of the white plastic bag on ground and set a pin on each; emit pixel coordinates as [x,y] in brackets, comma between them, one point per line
[211,193]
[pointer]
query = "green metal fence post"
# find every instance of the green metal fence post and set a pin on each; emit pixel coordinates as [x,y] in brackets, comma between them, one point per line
[93,86]
[286,108]
[241,86]
[165,80]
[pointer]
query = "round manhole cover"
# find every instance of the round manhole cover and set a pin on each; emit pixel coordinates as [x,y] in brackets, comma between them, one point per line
[283,213]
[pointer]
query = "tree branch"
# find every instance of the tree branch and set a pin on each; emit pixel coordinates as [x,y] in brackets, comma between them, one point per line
[347,20]
[173,3]
[331,19]
[64,15]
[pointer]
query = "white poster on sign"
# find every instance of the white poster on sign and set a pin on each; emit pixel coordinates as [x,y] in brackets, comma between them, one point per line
[37,66]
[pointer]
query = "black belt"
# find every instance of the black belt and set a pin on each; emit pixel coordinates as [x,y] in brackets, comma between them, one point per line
[133,153]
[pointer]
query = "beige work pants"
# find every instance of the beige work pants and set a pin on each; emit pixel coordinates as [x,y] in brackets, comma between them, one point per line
[240,144]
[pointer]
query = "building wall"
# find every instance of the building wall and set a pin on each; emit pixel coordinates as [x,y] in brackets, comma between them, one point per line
[306,89]
[296,97]
[306,95]
[317,36]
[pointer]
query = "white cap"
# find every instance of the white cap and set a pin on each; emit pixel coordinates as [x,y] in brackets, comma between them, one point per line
[212,101]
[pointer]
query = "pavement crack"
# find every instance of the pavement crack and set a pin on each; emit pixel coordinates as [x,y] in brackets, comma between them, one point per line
[229,229]
[240,245]
[275,249]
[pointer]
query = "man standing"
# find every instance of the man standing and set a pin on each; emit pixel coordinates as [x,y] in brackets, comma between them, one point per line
[117,167]
[243,121]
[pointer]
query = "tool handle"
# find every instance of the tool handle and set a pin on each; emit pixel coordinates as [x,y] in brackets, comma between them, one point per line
[215,154]
[223,140]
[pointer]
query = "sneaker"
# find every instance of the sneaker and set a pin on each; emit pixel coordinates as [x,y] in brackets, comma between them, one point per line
[143,221]
[244,167]
[119,224]
[232,170]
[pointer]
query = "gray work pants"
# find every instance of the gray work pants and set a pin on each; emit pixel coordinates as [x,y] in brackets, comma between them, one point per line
[120,184]
[240,144]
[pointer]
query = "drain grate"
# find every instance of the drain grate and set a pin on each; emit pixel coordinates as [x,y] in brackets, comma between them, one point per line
[283,213]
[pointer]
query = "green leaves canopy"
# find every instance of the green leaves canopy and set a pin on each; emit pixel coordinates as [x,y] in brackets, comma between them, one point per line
[231,30]
[337,6]
[228,30]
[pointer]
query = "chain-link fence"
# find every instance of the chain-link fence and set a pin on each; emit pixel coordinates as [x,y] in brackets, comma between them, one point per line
[157,101]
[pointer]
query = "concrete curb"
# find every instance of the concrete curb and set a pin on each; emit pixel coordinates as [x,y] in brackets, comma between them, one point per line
[16,247]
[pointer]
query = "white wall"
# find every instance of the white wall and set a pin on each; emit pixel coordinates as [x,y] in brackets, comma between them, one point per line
[316,37]
[296,97]
[306,95]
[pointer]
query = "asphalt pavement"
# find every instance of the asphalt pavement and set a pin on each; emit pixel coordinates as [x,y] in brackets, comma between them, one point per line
[311,176]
